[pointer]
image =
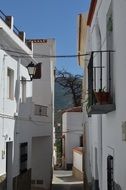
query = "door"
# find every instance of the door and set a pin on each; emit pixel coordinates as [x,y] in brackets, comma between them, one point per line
[9,166]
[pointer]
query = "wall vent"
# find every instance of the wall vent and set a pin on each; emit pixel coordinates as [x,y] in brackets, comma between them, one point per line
[32,181]
[38,181]
[124,131]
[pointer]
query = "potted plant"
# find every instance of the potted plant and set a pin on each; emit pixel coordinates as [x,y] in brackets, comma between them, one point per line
[102,96]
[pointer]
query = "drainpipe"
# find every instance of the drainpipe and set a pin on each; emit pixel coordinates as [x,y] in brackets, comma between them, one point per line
[84,123]
[17,92]
[3,107]
[100,150]
[3,90]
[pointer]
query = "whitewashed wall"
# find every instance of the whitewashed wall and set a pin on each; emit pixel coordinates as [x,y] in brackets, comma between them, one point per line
[72,128]
[43,89]
[41,161]
[77,160]
[110,126]
[17,120]
[8,107]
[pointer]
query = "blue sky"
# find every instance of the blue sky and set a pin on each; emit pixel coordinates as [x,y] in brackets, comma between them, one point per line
[50,19]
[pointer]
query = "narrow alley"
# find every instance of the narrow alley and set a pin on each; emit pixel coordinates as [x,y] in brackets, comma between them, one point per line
[64,180]
[62,95]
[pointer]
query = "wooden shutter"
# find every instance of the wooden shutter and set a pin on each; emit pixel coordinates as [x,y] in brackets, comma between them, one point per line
[38,71]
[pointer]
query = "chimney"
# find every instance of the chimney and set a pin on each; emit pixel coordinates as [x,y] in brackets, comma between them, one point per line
[10,21]
[21,35]
[29,43]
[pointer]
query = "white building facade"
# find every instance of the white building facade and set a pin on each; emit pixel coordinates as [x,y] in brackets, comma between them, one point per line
[72,134]
[105,126]
[26,109]
[77,169]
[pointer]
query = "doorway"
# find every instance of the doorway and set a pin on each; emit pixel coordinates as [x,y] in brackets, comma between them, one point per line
[9,165]
[96,170]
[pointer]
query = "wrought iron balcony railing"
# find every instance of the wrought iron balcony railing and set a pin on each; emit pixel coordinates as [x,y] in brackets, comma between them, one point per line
[100,83]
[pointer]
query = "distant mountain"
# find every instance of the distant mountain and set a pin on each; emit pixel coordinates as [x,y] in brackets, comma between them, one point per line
[62,101]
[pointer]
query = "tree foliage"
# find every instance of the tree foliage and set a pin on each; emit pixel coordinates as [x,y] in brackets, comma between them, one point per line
[72,84]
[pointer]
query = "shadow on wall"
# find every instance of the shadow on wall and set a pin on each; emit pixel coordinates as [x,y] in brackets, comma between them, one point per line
[68,179]
[117,186]
[23,179]
[3,182]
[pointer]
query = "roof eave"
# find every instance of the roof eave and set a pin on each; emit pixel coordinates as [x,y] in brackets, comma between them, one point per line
[91,12]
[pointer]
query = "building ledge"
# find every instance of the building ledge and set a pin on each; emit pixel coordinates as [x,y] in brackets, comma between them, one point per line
[78,150]
[101,108]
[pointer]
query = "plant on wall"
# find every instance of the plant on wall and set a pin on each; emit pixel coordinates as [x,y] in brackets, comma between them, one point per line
[102,96]
[110,24]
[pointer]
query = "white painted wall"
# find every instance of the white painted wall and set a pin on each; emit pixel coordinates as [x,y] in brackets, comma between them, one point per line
[8,107]
[77,160]
[17,120]
[72,129]
[40,161]
[109,126]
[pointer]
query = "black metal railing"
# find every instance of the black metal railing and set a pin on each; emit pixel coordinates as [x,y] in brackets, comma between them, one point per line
[99,74]
[15,29]
[2,16]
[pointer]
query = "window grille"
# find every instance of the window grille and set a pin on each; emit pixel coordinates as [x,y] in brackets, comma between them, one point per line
[23,157]
[41,110]
[110,181]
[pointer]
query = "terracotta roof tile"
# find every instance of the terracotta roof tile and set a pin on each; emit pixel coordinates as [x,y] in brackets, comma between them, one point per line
[74,109]
[38,40]
[78,150]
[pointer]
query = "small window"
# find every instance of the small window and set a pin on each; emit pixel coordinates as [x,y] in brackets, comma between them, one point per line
[38,71]
[10,83]
[23,157]
[109,28]
[23,86]
[109,23]
[109,45]
[81,141]
[41,110]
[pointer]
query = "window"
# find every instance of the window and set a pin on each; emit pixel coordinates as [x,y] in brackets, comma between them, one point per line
[38,71]
[109,28]
[109,24]
[81,141]
[10,83]
[40,110]
[109,44]
[23,83]
[110,182]
[23,156]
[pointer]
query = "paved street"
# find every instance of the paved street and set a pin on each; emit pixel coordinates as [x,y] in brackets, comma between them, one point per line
[63,180]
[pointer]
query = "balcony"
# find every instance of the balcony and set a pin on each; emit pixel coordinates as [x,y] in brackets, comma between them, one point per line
[8,20]
[100,83]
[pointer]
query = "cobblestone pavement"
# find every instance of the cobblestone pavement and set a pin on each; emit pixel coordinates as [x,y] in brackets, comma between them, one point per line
[64,180]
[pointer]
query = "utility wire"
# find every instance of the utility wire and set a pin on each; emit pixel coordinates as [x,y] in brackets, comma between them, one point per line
[42,55]
[69,131]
